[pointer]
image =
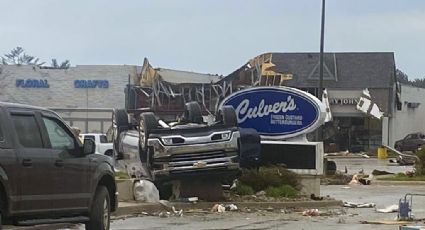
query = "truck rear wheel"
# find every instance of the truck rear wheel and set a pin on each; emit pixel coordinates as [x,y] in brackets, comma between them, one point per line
[147,123]
[100,213]
[227,114]
[192,112]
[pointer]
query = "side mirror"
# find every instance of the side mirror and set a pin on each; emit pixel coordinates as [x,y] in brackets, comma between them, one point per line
[89,146]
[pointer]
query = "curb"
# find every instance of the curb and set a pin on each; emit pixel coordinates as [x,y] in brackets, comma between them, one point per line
[127,208]
[392,182]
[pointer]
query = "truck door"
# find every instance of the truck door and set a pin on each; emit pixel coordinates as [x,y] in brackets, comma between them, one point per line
[71,166]
[8,162]
[35,164]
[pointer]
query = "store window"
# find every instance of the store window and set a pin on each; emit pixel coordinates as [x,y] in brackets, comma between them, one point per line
[353,134]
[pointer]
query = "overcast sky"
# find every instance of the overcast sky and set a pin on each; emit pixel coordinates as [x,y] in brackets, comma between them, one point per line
[210,36]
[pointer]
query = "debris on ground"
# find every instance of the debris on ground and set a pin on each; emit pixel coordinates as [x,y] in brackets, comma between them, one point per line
[188,199]
[314,197]
[224,207]
[376,172]
[358,205]
[357,180]
[311,212]
[389,209]
[218,208]
[170,210]
[386,222]
[145,191]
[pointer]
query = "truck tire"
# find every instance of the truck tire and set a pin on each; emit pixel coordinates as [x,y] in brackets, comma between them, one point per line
[100,213]
[192,112]
[120,118]
[147,123]
[228,116]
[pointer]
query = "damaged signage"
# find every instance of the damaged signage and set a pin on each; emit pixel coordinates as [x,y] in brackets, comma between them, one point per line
[277,112]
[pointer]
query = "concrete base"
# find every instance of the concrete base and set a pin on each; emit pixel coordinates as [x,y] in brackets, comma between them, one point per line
[310,184]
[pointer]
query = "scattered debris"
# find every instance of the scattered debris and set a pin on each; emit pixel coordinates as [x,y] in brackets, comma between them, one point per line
[358,205]
[218,208]
[379,172]
[260,193]
[188,199]
[356,180]
[311,212]
[170,210]
[231,207]
[387,222]
[145,191]
[314,197]
[270,209]
[389,209]
[223,208]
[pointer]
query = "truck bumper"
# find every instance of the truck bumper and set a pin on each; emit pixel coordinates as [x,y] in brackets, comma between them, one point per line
[220,159]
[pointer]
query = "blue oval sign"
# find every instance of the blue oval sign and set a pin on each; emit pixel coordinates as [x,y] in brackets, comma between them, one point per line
[278,112]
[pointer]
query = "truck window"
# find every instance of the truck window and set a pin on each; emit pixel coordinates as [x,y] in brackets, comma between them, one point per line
[28,131]
[59,137]
[90,137]
[103,139]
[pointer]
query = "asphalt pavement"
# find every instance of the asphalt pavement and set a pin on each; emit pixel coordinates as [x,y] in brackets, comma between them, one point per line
[333,219]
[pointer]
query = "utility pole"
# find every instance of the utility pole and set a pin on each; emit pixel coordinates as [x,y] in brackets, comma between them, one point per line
[322,38]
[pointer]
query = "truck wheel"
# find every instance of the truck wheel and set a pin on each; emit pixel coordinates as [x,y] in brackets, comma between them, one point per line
[120,118]
[192,112]
[100,213]
[228,115]
[147,123]
[109,153]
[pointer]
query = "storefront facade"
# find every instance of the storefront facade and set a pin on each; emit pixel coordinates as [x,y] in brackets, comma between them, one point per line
[83,95]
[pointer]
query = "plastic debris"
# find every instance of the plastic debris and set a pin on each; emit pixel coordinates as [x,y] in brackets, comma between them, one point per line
[355,180]
[358,205]
[389,209]
[231,207]
[145,191]
[311,212]
[223,208]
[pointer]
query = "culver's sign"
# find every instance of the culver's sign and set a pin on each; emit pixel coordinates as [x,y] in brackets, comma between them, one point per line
[277,112]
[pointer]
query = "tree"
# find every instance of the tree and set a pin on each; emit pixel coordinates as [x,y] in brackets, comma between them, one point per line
[64,65]
[17,56]
[402,77]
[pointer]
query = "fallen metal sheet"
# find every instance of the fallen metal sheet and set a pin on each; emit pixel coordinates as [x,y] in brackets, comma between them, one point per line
[389,209]
[358,205]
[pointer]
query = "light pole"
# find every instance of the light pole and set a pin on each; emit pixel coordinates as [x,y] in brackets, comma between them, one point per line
[322,38]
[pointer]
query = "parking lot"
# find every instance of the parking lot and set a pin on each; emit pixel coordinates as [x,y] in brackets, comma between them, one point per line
[335,218]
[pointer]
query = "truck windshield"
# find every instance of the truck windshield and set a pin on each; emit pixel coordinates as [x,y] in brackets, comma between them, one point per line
[103,139]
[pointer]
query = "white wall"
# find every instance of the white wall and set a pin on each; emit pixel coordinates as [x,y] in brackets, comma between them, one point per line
[62,93]
[408,120]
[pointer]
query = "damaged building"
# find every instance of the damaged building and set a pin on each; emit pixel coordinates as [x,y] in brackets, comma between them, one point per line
[86,95]
[346,77]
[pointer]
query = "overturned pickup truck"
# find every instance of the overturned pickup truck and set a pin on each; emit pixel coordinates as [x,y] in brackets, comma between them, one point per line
[148,147]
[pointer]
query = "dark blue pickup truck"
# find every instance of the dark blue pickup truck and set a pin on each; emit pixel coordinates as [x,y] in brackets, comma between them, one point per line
[47,175]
